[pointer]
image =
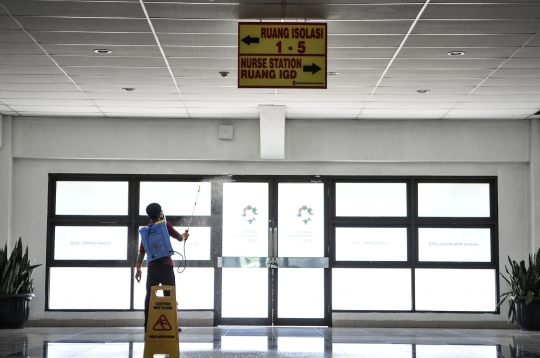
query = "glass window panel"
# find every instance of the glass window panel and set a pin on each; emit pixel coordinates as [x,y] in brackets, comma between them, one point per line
[301,293]
[469,350]
[371,199]
[89,288]
[245,292]
[194,288]
[245,219]
[371,244]
[454,245]
[91,198]
[453,200]
[90,243]
[460,290]
[371,289]
[301,220]
[177,198]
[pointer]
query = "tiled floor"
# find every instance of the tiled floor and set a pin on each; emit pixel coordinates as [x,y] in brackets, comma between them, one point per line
[278,342]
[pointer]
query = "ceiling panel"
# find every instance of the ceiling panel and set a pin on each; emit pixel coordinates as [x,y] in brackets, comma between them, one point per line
[118,88]
[357,63]
[510,81]
[205,63]
[353,11]
[524,62]
[39,87]
[29,70]
[500,98]
[430,82]
[196,52]
[48,94]
[470,52]
[127,81]
[101,39]
[348,41]
[117,50]
[417,97]
[83,24]
[399,111]
[195,26]
[49,102]
[480,27]
[137,103]
[120,9]
[369,27]
[19,48]
[432,90]
[448,63]
[482,11]
[198,40]
[359,52]
[228,97]
[329,104]
[213,10]
[503,105]
[509,90]
[437,73]
[7,23]
[528,52]
[458,41]
[152,110]
[110,61]
[517,72]
[13,36]
[110,71]
[58,109]
[410,105]
[26,60]
[135,96]
[24,78]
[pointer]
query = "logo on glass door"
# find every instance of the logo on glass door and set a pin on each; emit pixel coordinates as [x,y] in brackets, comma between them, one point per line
[250,213]
[304,214]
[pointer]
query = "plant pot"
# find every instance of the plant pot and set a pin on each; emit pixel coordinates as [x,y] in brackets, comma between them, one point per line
[14,310]
[528,316]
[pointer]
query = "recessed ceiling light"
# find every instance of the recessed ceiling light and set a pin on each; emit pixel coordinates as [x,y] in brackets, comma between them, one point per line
[223,73]
[422,91]
[456,53]
[102,50]
[332,73]
[128,89]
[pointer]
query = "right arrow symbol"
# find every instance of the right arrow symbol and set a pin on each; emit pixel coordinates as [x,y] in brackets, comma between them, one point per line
[250,40]
[313,68]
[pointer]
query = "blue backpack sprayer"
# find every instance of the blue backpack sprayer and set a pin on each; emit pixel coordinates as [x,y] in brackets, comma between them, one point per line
[156,241]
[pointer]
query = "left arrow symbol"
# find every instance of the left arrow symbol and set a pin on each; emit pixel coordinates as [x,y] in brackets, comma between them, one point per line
[250,40]
[313,69]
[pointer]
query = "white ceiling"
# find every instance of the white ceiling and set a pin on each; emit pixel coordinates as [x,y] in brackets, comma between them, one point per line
[171,53]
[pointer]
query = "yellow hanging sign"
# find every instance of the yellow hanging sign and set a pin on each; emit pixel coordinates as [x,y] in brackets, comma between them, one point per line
[282,55]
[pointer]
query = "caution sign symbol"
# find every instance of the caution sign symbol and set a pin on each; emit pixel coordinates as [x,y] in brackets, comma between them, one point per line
[162,324]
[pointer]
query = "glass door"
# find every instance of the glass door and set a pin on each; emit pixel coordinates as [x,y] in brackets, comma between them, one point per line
[274,254]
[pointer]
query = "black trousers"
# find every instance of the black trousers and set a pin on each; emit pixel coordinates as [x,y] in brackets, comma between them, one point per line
[159,273]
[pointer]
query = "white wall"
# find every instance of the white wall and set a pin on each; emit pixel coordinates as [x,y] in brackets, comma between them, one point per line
[338,147]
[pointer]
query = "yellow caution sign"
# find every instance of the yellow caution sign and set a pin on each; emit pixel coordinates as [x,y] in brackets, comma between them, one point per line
[282,55]
[162,324]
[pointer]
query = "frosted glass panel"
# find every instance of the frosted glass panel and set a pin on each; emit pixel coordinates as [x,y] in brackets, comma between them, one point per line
[194,288]
[245,293]
[453,200]
[301,220]
[301,293]
[460,290]
[371,244]
[371,199]
[89,288]
[90,243]
[177,198]
[371,289]
[245,219]
[91,198]
[458,245]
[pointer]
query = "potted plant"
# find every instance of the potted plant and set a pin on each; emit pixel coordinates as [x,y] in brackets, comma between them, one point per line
[524,293]
[16,286]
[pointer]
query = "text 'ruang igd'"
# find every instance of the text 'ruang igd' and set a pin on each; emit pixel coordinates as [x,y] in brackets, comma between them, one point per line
[282,55]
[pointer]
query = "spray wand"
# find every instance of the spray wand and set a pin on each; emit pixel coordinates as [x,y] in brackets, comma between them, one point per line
[187,230]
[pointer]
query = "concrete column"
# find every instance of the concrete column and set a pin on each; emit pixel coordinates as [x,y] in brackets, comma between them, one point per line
[534,182]
[6,181]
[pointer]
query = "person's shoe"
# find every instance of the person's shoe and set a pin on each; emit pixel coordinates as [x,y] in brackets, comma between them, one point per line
[179,329]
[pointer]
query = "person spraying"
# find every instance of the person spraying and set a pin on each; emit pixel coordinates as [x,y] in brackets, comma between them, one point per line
[155,244]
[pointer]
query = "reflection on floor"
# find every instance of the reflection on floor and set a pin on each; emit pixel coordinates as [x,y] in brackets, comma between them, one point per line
[247,342]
